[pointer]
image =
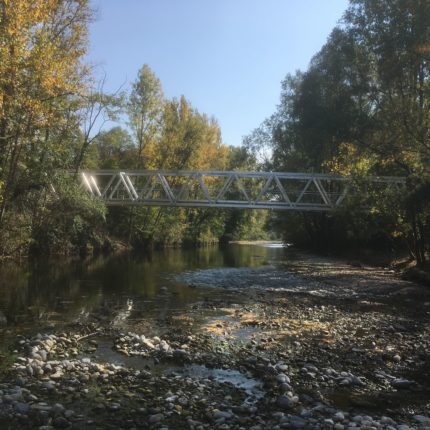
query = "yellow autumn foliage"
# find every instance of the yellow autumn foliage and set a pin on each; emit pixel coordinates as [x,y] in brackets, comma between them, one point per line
[349,161]
[41,44]
[189,140]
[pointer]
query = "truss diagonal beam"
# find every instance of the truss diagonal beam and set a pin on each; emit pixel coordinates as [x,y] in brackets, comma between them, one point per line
[235,189]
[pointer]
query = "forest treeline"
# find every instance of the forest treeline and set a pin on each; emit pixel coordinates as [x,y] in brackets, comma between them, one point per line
[54,118]
[361,109]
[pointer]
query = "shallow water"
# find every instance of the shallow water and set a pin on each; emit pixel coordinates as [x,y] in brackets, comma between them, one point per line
[46,292]
[252,387]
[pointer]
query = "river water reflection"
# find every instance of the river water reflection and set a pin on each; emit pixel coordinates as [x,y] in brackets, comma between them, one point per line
[52,291]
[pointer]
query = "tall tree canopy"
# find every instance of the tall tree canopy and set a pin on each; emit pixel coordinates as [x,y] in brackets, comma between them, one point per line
[42,44]
[144,108]
[42,82]
[363,108]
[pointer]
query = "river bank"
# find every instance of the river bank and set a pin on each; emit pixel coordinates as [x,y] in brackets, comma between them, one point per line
[305,342]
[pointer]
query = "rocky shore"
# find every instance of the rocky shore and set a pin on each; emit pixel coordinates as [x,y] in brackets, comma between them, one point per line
[263,358]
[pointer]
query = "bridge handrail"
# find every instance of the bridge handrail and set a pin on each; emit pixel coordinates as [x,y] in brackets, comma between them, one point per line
[243,173]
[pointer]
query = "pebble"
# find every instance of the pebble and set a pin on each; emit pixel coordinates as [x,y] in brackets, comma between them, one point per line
[22,408]
[61,423]
[58,409]
[285,402]
[387,420]
[20,381]
[311,368]
[339,416]
[156,418]
[282,378]
[422,420]
[401,384]
[222,415]
[297,422]
[281,367]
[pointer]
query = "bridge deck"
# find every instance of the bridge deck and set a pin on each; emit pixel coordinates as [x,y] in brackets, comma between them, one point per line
[225,189]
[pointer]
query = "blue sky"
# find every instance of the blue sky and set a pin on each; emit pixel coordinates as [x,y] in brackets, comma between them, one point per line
[228,57]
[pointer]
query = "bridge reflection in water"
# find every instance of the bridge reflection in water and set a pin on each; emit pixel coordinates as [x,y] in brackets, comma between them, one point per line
[228,189]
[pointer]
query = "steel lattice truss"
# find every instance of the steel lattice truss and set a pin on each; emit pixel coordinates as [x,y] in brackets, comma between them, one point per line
[221,189]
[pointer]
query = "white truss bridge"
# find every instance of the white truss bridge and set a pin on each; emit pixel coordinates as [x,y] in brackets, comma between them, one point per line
[227,189]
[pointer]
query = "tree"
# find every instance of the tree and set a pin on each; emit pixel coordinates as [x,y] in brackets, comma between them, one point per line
[42,80]
[396,39]
[42,43]
[144,108]
[112,149]
[362,109]
[97,108]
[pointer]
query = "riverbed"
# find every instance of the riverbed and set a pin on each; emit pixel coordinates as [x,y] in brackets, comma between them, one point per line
[245,336]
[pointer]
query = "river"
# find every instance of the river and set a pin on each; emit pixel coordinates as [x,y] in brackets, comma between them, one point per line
[242,336]
[50,292]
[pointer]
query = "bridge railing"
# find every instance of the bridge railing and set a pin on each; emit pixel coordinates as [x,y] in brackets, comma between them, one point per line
[228,189]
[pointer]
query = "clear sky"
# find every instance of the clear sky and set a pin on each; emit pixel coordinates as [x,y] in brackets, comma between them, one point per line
[228,57]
